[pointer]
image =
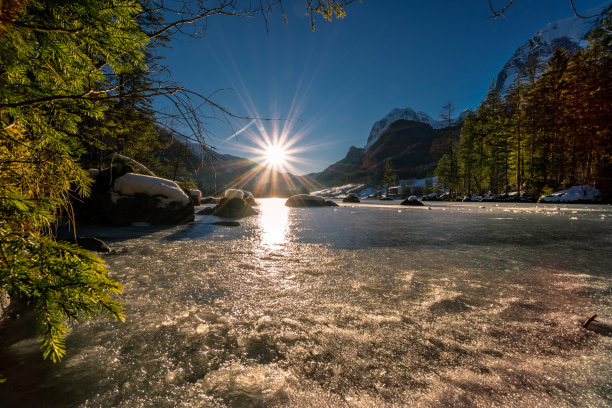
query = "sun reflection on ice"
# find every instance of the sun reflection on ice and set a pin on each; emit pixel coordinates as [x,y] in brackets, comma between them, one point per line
[274,222]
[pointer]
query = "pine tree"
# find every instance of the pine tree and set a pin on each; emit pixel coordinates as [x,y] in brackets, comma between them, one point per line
[389,177]
[58,59]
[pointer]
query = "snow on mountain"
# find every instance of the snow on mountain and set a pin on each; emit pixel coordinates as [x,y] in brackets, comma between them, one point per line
[570,33]
[405,114]
[339,191]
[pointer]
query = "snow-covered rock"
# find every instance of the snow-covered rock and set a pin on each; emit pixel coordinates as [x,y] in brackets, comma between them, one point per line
[120,197]
[573,194]
[233,207]
[413,201]
[168,191]
[196,195]
[234,193]
[570,34]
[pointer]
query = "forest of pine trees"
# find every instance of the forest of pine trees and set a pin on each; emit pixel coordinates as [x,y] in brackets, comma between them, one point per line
[551,130]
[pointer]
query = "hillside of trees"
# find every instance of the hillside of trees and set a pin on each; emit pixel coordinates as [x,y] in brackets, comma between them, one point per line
[550,131]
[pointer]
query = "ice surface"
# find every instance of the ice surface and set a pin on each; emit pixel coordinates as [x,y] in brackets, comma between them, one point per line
[362,306]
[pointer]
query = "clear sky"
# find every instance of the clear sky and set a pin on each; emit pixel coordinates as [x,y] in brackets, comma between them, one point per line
[338,80]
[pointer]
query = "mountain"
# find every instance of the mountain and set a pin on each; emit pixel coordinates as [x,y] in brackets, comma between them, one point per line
[415,141]
[414,147]
[405,114]
[570,34]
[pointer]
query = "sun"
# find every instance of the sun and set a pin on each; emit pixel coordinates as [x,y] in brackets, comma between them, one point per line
[275,155]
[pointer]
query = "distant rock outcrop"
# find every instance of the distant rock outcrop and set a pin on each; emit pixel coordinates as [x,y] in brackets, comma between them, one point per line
[305,200]
[413,201]
[413,146]
[351,198]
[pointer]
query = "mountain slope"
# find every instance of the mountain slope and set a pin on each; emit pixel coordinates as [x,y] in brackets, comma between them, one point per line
[405,114]
[414,148]
[570,34]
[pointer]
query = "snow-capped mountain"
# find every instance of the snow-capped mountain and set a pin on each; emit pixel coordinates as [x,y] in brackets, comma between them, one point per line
[570,34]
[405,114]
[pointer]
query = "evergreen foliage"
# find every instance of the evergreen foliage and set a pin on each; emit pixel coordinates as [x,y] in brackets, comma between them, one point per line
[550,131]
[389,177]
[60,60]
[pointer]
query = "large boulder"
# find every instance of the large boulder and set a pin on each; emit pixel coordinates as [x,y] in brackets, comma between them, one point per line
[121,199]
[305,200]
[195,196]
[413,201]
[248,197]
[234,193]
[233,208]
[351,198]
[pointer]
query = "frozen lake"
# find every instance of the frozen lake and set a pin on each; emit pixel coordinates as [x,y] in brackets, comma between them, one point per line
[374,304]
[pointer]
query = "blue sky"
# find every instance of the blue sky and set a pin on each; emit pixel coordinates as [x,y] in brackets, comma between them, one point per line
[337,81]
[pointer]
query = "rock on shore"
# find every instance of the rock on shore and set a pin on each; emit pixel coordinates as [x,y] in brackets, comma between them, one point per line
[305,200]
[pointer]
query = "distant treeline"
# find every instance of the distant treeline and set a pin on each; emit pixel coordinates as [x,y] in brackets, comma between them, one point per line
[551,130]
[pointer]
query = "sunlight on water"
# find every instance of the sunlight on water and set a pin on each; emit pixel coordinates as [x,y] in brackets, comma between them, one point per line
[274,222]
[360,307]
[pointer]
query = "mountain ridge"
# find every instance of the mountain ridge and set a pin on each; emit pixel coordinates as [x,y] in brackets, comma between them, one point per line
[568,33]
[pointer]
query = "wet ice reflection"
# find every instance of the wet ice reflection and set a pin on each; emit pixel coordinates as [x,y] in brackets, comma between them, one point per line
[373,307]
[274,222]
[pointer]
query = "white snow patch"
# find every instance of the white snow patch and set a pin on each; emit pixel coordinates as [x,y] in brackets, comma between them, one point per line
[405,114]
[234,193]
[195,194]
[575,193]
[340,191]
[169,191]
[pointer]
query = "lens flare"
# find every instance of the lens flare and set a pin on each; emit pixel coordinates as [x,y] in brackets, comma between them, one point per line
[275,156]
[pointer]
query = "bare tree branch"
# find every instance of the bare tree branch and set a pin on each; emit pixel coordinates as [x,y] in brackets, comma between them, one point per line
[576,12]
[500,12]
